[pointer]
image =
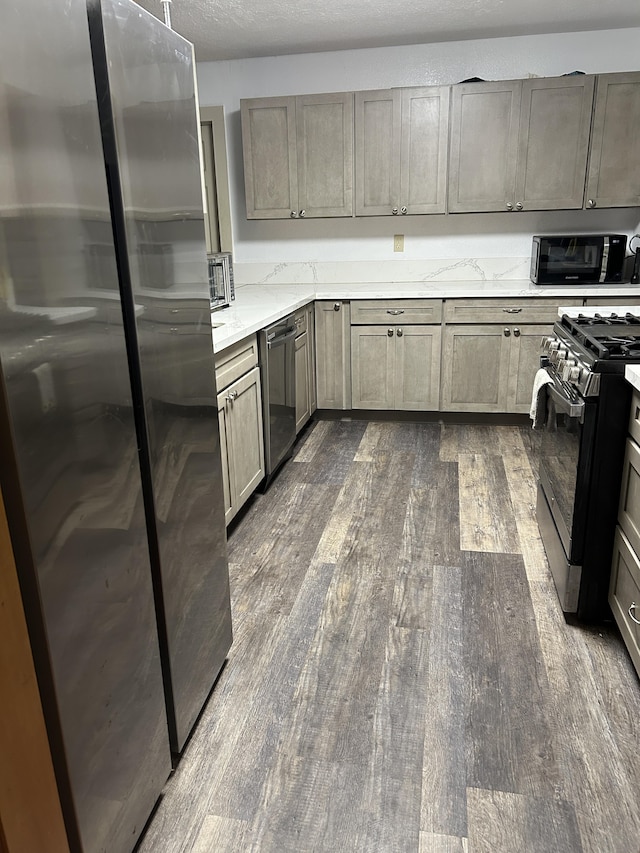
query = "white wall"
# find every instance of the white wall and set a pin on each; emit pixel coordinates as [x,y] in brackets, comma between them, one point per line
[427,237]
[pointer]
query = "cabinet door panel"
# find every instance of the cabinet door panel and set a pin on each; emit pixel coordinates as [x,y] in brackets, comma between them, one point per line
[245,414]
[270,158]
[417,368]
[614,162]
[377,119]
[303,409]
[555,119]
[372,367]
[425,127]
[525,361]
[629,508]
[311,331]
[325,154]
[333,359]
[484,141]
[475,366]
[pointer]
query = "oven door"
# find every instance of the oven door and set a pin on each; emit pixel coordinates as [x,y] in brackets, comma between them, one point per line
[565,463]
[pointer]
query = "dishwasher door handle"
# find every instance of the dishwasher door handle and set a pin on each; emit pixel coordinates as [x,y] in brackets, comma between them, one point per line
[280,340]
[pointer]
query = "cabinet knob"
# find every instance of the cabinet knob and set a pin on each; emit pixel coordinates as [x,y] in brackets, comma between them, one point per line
[403,210]
[394,211]
[509,206]
[231,396]
[507,333]
[631,616]
[399,333]
[336,306]
[591,202]
[519,206]
[390,332]
[516,332]
[303,213]
[294,214]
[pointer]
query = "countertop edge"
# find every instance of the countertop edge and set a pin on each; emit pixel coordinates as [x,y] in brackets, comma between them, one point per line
[258,305]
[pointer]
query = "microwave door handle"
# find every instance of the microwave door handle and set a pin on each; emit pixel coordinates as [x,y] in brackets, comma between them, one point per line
[605,259]
[572,408]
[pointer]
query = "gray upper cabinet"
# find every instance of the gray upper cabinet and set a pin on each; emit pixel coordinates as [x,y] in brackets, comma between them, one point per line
[298,156]
[484,145]
[614,162]
[520,145]
[270,157]
[555,119]
[401,151]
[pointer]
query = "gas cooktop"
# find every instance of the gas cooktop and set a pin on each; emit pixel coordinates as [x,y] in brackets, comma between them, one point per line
[610,336]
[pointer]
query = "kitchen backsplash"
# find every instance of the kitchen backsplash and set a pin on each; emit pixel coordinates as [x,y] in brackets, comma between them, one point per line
[328,272]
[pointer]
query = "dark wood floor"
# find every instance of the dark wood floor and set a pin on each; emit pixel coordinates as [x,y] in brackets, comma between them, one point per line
[402,677]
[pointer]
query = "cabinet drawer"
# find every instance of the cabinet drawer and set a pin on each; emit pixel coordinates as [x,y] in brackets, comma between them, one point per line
[236,360]
[367,312]
[532,310]
[624,594]
[629,507]
[634,417]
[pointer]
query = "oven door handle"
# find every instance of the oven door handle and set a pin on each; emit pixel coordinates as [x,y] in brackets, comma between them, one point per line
[573,408]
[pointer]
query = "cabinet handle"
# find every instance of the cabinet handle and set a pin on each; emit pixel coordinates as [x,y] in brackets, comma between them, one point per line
[303,213]
[231,396]
[631,616]
[509,206]
[395,312]
[399,333]
[394,211]
[516,332]
[294,214]
[403,210]
[390,332]
[519,206]
[336,306]
[591,202]
[507,333]
[512,310]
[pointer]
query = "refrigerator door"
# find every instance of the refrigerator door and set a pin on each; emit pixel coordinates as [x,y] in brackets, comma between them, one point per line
[69,467]
[145,76]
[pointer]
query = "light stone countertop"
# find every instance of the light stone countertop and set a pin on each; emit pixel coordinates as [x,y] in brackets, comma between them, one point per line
[258,305]
[632,375]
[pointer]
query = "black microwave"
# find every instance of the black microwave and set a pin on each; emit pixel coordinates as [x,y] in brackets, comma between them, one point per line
[578,259]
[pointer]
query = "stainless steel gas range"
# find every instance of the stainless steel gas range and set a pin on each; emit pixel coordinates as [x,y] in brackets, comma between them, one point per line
[582,449]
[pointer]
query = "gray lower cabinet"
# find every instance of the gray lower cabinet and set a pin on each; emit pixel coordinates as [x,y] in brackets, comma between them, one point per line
[624,588]
[614,161]
[401,150]
[240,422]
[520,144]
[395,367]
[303,402]
[333,356]
[298,156]
[490,352]
[311,333]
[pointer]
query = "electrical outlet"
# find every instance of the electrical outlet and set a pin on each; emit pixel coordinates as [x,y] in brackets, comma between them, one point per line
[398,242]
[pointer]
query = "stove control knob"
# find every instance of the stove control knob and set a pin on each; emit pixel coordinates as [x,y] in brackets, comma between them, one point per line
[575,375]
[553,346]
[546,343]
[563,352]
[567,367]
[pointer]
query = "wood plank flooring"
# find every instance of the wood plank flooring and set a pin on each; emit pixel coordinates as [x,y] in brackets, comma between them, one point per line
[402,678]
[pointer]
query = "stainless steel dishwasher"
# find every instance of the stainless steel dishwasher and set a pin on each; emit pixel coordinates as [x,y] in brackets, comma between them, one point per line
[277,366]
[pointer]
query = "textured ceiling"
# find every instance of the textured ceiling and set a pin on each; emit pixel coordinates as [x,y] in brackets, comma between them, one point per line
[233,29]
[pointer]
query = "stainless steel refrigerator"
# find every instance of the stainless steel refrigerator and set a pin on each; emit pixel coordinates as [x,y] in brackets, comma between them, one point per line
[109,450]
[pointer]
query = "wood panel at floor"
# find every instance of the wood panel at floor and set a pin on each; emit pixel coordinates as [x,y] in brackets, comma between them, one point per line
[402,677]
